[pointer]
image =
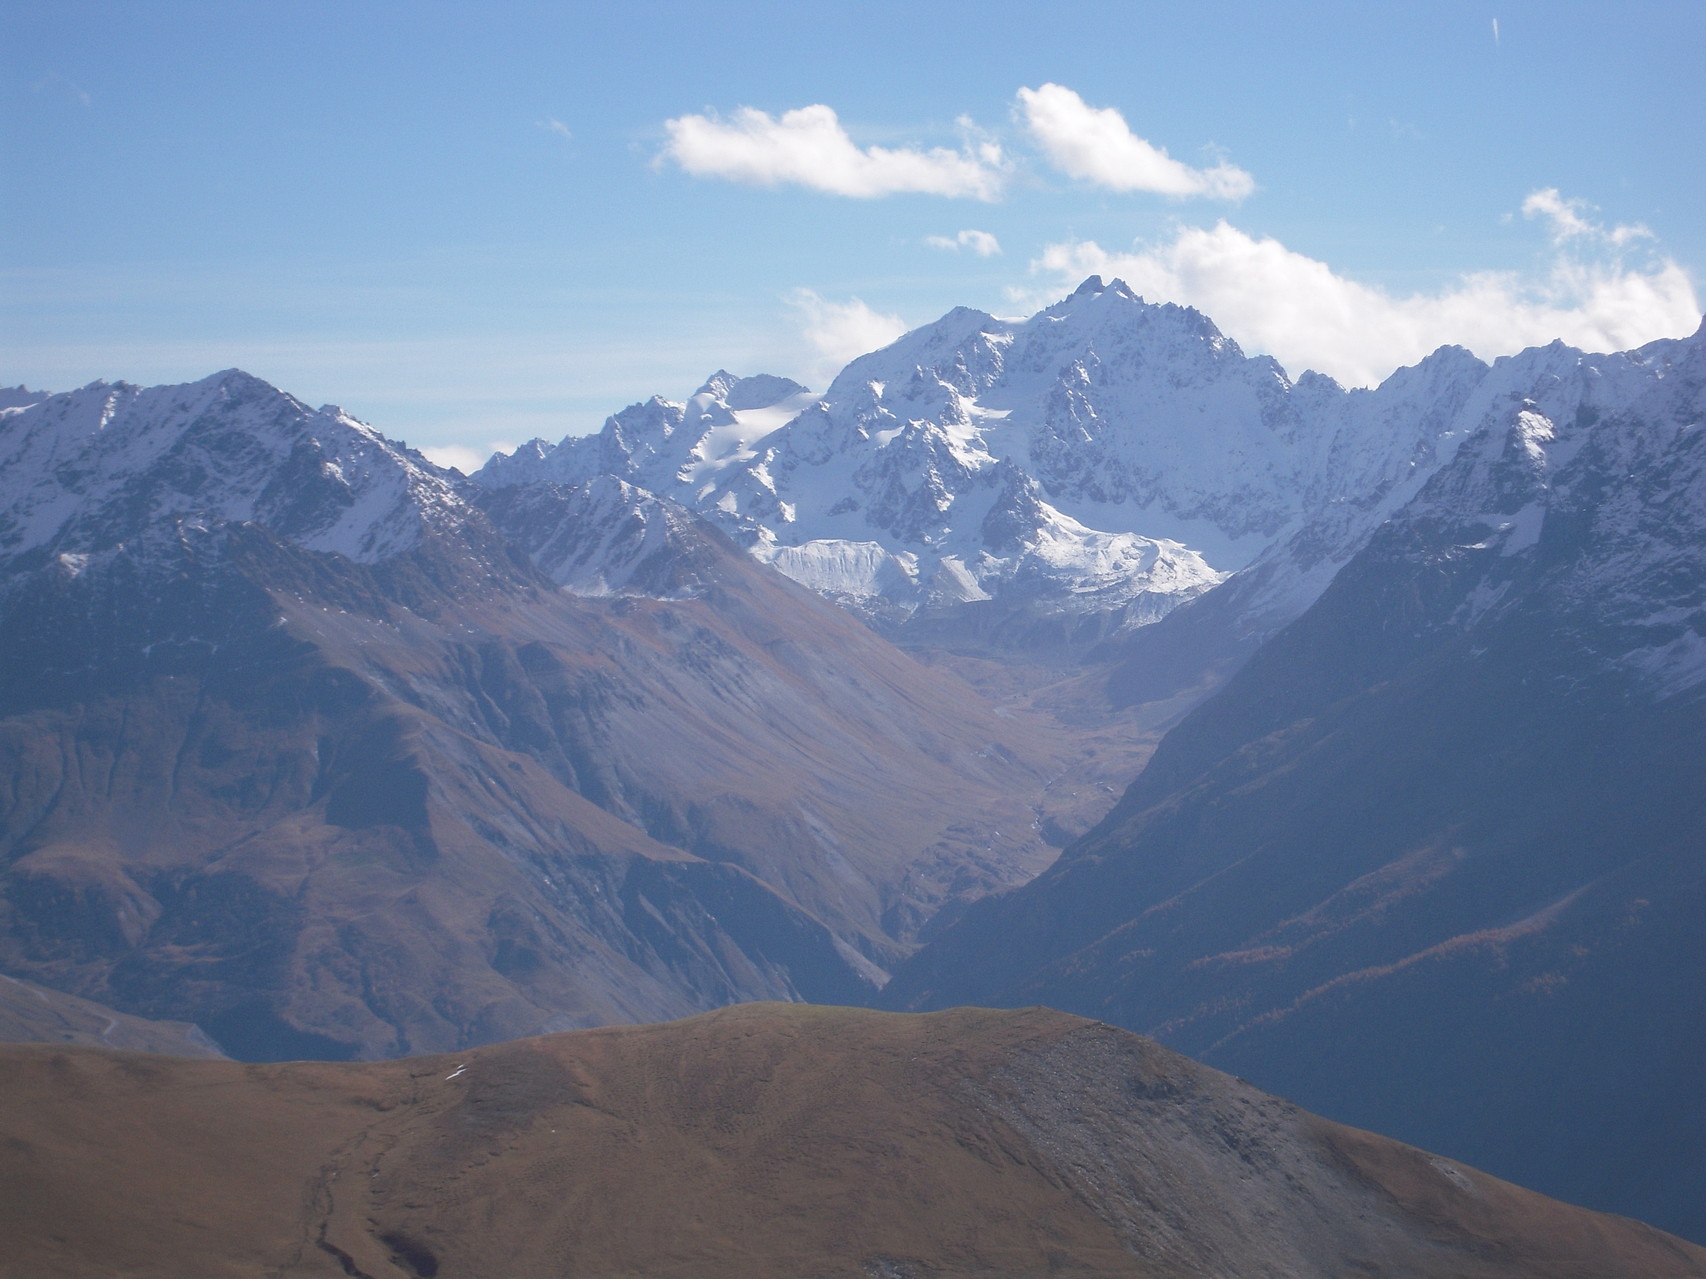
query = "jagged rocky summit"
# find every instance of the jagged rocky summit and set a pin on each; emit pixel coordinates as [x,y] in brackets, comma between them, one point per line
[1075,474]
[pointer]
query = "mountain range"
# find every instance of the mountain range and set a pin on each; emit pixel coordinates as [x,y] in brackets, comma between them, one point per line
[1431,860]
[1046,481]
[772,694]
[298,745]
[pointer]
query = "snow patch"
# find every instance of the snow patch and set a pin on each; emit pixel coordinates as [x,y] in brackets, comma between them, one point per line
[838,567]
[1671,668]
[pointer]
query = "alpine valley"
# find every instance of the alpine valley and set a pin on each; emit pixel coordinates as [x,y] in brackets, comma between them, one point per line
[1350,740]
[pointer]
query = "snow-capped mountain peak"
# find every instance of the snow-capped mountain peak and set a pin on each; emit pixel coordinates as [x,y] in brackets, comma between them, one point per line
[661,445]
[605,537]
[1133,426]
[112,463]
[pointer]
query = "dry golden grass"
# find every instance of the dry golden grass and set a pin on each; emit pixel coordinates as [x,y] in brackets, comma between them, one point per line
[766,1140]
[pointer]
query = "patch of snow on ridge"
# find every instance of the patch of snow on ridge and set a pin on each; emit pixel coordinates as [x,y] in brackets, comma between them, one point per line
[726,447]
[608,533]
[663,445]
[1674,667]
[604,537]
[20,397]
[1522,530]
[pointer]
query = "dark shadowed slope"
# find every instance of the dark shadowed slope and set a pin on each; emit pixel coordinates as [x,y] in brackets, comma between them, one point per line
[1434,861]
[761,1140]
[35,1014]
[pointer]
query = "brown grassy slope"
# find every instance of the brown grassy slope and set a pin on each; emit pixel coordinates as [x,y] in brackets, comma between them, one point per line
[762,1140]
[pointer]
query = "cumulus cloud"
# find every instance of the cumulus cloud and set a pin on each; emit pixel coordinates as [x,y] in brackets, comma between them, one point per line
[463,458]
[1097,145]
[809,148]
[981,243]
[1570,220]
[1270,298]
[553,125]
[839,331]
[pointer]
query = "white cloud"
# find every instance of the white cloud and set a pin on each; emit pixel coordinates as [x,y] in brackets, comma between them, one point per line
[553,125]
[839,331]
[981,243]
[1096,144]
[463,458]
[809,147]
[1569,219]
[1307,316]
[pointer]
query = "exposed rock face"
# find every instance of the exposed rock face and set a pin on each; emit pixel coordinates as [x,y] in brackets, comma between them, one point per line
[756,1140]
[296,744]
[1431,862]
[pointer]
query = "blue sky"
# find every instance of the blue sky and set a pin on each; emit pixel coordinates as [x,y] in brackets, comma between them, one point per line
[478,224]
